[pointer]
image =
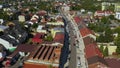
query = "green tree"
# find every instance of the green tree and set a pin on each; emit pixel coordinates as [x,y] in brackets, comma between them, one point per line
[105,20]
[50,66]
[117,43]
[101,48]
[105,52]
[49,38]
[111,17]
[117,30]
[108,35]
[101,38]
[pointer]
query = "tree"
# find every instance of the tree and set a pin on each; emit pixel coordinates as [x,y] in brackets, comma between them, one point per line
[117,30]
[50,66]
[108,35]
[49,38]
[117,43]
[101,48]
[104,20]
[105,52]
[111,17]
[118,50]
[101,38]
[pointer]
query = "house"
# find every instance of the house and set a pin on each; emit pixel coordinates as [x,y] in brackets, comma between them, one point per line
[21,18]
[42,13]
[40,29]
[77,19]
[111,48]
[92,50]
[21,51]
[38,38]
[55,30]
[97,62]
[117,7]
[59,37]
[87,32]
[13,35]
[7,42]
[55,23]
[105,5]
[1,6]
[100,14]
[113,62]
[88,40]
[3,28]
[34,18]
[43,57]
[117,15]
[1,21]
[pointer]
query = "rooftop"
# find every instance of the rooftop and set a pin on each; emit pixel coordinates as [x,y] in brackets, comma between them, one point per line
[92,50]
[85,31]
[45,54]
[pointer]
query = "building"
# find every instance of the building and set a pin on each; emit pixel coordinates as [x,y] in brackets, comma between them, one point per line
[105,5]
[3,28]
[117,15]
[43,57]
[21,18]
[38,38]
[87,32]
[117,7]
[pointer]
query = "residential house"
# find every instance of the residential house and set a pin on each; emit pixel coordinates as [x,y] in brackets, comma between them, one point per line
[92,50]
[55,30]
[77,19]
[117,15]
[3,28]
[87,32]
[59,37]
[21,18]
[38,38]
[100,14]
[97,62]
[41,30]
[34,19]
[13,35]
[117,7]
[42,13]
[88,40]
[55,23]
[1,21]
[21,51]
[105,5]
[1,6]
[111,48]
[113,62]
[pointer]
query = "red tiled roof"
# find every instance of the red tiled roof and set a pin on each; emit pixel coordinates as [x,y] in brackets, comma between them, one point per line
[92,50]
[85,31]
[99,11]
[42,12]
[38,35]
[38,38]
[88,40]
[59,37]
[113,63]
[77,19]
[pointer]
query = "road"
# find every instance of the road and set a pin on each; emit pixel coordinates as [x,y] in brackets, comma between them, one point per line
[77,55]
